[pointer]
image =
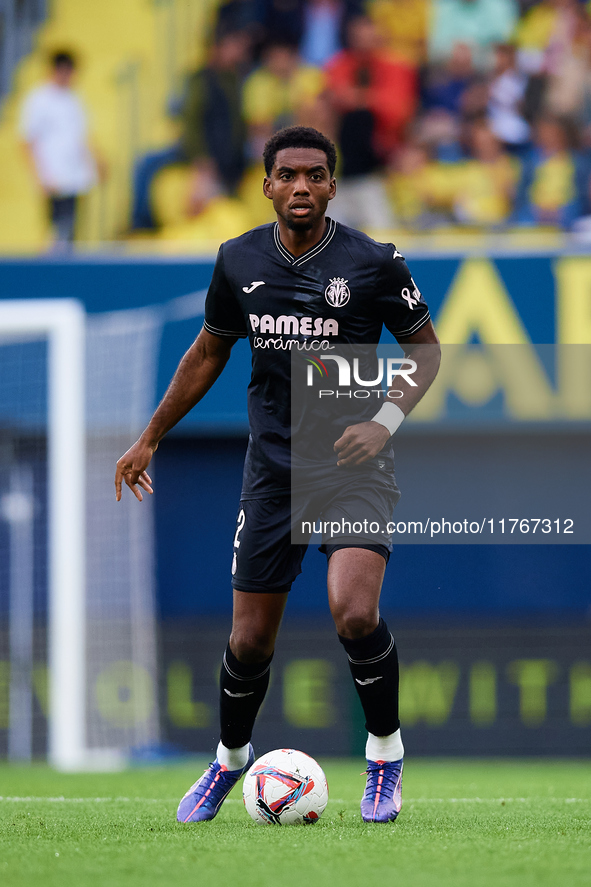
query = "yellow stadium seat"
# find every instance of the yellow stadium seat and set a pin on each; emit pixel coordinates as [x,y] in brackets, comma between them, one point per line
[133,55]
[225,217]
[169,194]
[251,194]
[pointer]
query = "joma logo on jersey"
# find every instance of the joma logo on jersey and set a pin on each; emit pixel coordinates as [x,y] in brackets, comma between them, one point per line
[337,293]
[288,324]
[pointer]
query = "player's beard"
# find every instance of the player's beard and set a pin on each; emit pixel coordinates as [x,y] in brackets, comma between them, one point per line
[300,224]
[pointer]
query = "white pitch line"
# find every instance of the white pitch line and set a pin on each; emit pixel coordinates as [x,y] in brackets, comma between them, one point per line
[479,800]
[61,800]
[494,800]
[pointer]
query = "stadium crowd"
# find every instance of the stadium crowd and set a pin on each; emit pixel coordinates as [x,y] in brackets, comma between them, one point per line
[469,112]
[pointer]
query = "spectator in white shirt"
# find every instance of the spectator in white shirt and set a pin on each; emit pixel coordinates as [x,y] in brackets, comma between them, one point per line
[506,100]
[54,128]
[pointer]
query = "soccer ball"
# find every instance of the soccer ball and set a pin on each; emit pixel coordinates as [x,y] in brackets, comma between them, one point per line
[285,787]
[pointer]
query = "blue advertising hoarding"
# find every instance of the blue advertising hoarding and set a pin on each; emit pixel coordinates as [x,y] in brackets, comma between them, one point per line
[520,300]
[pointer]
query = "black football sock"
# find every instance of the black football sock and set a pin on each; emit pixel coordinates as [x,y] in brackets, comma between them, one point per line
[242,690]
[373,661]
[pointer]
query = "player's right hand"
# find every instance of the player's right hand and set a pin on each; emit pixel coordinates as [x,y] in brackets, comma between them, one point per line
[131,468]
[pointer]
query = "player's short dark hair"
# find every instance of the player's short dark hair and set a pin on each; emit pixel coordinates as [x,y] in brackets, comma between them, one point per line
[299,137]
[62,58]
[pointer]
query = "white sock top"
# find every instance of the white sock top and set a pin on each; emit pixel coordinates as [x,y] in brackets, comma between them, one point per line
[384,748]
[233,758]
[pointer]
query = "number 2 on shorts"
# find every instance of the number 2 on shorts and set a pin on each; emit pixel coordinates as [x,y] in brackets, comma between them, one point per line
[239,525]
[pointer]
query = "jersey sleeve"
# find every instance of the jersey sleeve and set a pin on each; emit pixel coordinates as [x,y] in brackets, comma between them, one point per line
[400,305]
[223,315]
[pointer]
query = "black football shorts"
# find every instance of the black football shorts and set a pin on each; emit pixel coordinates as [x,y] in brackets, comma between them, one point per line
[335,509]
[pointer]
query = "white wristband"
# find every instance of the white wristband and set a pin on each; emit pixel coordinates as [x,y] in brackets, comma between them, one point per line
[390,416]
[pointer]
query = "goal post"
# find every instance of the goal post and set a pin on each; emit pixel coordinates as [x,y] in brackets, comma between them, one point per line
[62,323]
[77,570]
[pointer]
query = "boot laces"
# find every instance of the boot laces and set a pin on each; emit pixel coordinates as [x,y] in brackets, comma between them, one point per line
[389,774]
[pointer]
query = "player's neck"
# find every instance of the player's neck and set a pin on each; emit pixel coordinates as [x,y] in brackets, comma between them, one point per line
[299,242]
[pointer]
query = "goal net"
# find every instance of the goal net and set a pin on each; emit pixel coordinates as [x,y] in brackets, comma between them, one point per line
[78,665]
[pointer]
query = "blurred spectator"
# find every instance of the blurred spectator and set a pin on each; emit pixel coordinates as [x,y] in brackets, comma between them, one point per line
[532,35]
[552,184]
[506,99]
[375,97]
[317,27]
[559,46]
[403,25]
[568,84]
[552,46]
[54,127]
[420,187]
[476,22]
[440,130]
[282,92]
[546,34]
[284,19]
[364,77]
[322,30]
[486,182]
[406,185]
[446,83]
[575,92]
[361,199]
[239,15]
[213,133]
[366,96]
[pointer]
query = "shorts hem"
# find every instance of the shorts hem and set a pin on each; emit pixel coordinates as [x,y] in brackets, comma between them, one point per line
[260,588]
[329,550]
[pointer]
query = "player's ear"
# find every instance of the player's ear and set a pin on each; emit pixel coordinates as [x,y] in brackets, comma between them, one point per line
[267,188]
[332,188]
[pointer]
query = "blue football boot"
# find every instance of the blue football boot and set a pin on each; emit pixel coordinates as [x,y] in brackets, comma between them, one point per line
[382,798]
[206,796]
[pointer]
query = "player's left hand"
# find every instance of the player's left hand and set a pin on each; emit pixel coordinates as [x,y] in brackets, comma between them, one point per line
[359,443]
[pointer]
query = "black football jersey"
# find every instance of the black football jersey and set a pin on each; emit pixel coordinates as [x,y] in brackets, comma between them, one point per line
[340,292]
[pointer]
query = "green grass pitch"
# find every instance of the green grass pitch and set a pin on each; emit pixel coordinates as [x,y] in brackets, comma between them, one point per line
[463,823]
